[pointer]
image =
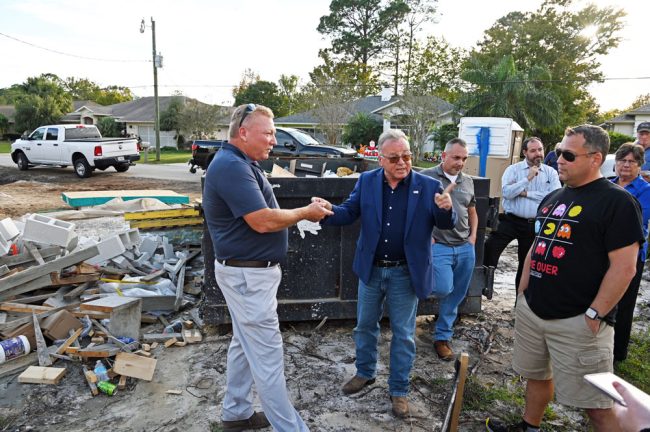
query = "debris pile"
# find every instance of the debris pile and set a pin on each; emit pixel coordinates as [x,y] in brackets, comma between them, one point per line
[73,302]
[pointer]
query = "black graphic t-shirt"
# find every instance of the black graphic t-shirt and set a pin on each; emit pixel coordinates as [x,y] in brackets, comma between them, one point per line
[575,230]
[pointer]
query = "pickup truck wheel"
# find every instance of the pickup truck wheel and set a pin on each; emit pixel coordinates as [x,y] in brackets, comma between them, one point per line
[22,162]
[81,168]
[122,168]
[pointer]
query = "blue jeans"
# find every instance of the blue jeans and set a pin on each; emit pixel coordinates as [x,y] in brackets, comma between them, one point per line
[392,284]
[453,267]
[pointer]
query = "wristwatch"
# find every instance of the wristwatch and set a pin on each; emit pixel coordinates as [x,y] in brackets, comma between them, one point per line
[592,314]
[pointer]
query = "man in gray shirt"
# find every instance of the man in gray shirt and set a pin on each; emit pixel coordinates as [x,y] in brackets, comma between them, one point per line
[453,250]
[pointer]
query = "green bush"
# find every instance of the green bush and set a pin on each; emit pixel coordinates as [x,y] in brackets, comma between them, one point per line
[361,129]
[616,139]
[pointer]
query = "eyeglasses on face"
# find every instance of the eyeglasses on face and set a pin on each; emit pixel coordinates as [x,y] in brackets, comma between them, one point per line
[406,157]
[249,109]
[626,161]
[570,156]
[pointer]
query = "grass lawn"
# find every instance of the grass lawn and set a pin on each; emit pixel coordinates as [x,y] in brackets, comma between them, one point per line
[166,156]
[5,147]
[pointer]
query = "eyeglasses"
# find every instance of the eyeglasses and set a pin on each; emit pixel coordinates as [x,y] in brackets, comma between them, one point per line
[249,109]
[406,157]
[570,156]
[626,161]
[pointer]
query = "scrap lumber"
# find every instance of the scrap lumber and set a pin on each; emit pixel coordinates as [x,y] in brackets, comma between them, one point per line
[170,342]
[78,290]
[41,375]
[27,258]
[57,280]
[33,299]
[34,252]
[174,392]
[20,363]
[41,347]
[23,308]
[121,384]
[89,379]
[192,336]
[134,366]
[16,283]
[103,351]
[19,321]
[160,337]
[69,341]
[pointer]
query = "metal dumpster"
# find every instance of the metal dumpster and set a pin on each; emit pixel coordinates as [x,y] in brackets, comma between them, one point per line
[317,276]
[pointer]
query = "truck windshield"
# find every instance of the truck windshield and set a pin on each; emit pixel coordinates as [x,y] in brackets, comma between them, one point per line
[82,133]
[304,139]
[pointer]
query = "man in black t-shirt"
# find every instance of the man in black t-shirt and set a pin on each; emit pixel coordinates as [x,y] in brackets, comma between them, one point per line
[582,260]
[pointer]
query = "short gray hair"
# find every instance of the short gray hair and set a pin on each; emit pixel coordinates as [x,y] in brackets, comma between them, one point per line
[461,142]
[390,135]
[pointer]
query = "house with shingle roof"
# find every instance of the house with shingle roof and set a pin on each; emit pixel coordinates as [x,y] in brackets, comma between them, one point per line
[387,109]
[627,122]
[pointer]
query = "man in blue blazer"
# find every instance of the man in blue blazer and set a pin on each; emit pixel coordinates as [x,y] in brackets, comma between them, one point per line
[398,210]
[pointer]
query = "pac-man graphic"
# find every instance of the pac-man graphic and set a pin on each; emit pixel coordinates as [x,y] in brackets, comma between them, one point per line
[559,210]
[540,249]
[575,211]
[550,228]
[564,231]
[545,210]
[558,252]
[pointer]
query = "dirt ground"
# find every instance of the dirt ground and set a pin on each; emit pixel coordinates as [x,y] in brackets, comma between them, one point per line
[317,362]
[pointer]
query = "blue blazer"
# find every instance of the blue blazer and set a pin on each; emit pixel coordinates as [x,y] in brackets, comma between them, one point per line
[422,215]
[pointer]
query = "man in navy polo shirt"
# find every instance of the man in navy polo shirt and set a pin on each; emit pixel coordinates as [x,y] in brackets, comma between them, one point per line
[398,210]
[249,234]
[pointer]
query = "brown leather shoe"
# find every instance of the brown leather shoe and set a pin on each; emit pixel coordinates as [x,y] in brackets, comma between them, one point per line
[257,421]
[443,350]
[356,384]
[400,406]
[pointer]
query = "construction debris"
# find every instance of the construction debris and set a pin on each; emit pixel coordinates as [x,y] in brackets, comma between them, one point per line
[75,294]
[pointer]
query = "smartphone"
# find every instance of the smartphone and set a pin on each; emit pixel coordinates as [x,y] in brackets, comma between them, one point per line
[603,382]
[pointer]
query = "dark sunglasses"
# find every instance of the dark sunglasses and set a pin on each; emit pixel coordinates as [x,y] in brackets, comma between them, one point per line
[570,156]
[249,109]
[395,159]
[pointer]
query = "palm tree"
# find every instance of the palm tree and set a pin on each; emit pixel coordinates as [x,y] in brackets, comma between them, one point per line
[503,91]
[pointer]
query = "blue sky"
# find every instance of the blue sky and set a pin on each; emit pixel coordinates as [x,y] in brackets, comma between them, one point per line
[207,45]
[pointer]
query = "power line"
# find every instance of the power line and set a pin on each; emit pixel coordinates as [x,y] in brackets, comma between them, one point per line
[73,55]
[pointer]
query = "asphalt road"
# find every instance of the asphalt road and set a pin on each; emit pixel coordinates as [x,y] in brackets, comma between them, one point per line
[173,172]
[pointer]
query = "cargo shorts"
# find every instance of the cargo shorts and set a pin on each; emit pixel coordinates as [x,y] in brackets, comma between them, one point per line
[563,350]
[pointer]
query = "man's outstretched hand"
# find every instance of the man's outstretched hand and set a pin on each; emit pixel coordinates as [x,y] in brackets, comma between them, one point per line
[443,200]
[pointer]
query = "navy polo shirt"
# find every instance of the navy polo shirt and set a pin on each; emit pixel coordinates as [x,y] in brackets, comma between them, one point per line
[235,186]
[393,221]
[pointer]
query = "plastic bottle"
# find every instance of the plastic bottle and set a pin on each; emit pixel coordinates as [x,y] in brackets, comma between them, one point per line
[100,371]
[14,347]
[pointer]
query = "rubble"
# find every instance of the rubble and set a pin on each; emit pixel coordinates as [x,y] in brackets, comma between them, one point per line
[75,294]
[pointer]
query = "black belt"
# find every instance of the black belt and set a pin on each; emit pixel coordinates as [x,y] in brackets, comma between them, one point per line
[248,264]
[527,220]
[386,263]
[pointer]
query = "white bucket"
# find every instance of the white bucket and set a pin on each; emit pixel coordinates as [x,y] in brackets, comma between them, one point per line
[14,347]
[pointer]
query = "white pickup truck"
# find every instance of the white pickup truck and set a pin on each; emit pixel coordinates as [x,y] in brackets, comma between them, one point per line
[81,146]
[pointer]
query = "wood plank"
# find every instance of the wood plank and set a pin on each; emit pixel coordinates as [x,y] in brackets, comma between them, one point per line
[41,347]
[121,384]
[15,281]
[161,223]
[103,351]
[34,252]
[73,280]
[158,214]
[23,308]
[160,337]
[19,321]
[135,366]
[41,375]
[69,341]
[78,290]
[109,304]
[26,257]
[91,383]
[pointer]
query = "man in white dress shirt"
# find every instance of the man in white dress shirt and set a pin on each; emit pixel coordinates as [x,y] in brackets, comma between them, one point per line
[523,186]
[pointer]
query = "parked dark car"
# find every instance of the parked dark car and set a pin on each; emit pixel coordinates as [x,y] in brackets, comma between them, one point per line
[290,143]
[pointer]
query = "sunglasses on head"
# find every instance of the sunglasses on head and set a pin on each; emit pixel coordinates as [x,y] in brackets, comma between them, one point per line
[394,159]
[570,156]
[249,109]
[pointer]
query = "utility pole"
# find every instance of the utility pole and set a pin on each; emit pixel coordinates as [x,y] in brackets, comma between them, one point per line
[157,62]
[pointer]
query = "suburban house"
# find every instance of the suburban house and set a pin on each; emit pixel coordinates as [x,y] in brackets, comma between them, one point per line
[390,110]
[627,122]
[137,116]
